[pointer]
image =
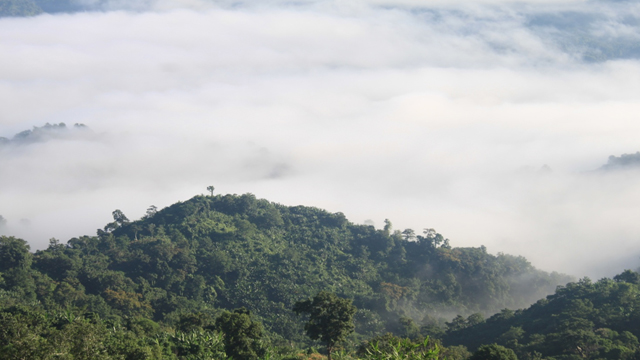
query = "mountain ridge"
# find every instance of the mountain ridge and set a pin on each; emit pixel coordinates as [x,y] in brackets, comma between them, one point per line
[184,265]
[231,251]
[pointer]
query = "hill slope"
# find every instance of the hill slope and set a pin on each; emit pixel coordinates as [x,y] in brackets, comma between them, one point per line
[583,320]
[225,252]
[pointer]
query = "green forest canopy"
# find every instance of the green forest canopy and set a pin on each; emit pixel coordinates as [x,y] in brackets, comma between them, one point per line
[182,267]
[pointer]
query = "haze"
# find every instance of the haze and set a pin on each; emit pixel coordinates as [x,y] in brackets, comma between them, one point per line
[431,114]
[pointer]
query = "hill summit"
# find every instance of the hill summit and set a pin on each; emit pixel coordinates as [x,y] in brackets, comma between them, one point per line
[231,251]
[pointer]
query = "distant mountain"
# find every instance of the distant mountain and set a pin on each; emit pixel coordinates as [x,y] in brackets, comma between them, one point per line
[43,133]
[14,8]
[624,161]
[57,6]
[19,8]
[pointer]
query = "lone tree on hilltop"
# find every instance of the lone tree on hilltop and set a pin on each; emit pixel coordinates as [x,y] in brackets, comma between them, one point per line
[330,318]
[119,219]
[210,188]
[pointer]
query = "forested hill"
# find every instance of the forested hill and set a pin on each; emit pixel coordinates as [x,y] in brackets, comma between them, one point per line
[584,320]
[231,251]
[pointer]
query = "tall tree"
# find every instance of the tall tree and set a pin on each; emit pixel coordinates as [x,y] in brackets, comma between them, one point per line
[330,318]
[15,265]
[210,188]
[119,219]
[151,212]
[493,352]
[14,254]
[242,334]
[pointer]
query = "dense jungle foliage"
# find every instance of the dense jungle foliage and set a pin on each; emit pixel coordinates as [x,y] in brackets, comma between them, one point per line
[582,320]
[182,281]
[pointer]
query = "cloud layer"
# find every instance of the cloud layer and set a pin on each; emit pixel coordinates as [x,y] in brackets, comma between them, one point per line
[432,116]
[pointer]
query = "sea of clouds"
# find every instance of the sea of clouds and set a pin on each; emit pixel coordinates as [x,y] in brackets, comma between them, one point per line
[485,120]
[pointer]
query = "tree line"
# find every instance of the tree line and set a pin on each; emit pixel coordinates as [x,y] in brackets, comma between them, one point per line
[179,269]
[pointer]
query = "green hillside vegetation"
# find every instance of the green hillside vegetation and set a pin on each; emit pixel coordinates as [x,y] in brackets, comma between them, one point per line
[583,320]
[237,251]
[156,285]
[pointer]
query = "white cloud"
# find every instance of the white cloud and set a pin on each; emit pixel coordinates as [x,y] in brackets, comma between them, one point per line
[429,117]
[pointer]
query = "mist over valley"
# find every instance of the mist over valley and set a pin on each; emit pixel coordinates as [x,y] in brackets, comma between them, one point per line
[443,165]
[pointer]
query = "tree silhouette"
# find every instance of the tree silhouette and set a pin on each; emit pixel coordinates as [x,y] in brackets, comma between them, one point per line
[151,212]
[119,219]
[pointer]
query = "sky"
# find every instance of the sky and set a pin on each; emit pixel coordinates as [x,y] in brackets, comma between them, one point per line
[486,120]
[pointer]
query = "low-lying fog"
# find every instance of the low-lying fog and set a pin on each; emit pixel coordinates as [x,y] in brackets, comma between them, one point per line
[485,121]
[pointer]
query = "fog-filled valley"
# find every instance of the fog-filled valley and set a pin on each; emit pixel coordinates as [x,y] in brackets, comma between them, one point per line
[485,121]
[442,165]
[434,115]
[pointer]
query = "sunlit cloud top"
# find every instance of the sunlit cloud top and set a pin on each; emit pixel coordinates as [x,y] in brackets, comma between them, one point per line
[486,121]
